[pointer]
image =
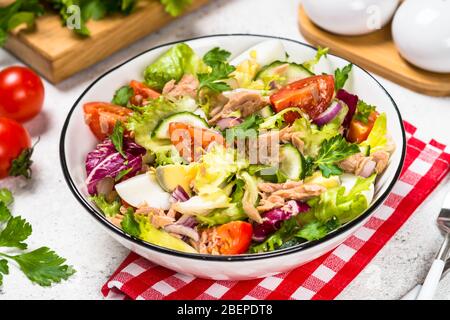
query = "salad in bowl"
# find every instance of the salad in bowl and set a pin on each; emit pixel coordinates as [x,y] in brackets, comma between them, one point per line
[218,156]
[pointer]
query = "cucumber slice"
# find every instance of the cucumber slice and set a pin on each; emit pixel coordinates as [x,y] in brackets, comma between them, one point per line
[292,72]
[266,112]
[162,129]
[292,162]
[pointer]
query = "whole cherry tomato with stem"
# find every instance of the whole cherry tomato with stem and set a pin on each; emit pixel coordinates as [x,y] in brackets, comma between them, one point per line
[21,93]
[15,149]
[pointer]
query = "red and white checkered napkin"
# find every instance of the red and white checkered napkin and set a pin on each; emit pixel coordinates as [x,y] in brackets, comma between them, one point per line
[427,163]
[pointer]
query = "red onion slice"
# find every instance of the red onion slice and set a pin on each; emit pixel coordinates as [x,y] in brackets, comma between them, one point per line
[179,195]
[329,114]
[230,122]
[368,169]
[351,101]
[182,230]
[105,186]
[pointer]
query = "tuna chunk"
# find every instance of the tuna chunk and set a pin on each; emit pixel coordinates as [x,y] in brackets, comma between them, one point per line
[358,163]
[247,102]
[275,195]
[186,87]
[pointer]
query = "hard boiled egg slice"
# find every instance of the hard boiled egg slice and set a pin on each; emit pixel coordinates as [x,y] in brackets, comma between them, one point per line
[143,189]
[349,180]
[264,52]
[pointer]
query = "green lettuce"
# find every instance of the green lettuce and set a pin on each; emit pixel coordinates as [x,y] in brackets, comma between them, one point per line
[159,237]
[214,169]
[172,65]
[343,204]
[222,216]
[313,136]
[277,120]
[377,138]
[109,209]
[203,204]
[145,119]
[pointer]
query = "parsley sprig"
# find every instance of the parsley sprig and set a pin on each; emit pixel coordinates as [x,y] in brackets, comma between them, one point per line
[42,266]
[332,151]
[25,12]
[363,111]
[221,70]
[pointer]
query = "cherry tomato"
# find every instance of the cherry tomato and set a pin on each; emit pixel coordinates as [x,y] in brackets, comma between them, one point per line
[190,141]
[235,237]
[22,93]
[142,93]
[313,95]
[15,149]
[101,117]
[359,131]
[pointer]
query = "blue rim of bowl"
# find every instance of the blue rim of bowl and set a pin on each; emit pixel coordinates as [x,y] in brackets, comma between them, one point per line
[205,257]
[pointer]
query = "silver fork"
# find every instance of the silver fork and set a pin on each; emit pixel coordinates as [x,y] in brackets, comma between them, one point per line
[412,295]
[434,275]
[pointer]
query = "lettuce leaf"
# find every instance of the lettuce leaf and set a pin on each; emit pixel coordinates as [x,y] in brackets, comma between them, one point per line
[313,136]
[343,204]
[214,169]
[277,120]
[145,119]
[222,216]
[203,205]
[377,139]
[172,65]
[109,209]
[159,237]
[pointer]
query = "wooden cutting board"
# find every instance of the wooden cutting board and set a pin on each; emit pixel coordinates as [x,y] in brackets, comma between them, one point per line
[57,53]
[377,53]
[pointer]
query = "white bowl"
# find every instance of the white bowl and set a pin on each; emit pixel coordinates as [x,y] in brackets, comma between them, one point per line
[421,32]
[77,141]
[350,17]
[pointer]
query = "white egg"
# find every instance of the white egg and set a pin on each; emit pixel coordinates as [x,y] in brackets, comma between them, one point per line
[143,189]
[421,32]
[350,17]
[266,52]
[349,180]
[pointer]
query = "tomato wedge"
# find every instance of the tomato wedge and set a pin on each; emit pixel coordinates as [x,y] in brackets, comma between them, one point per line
[235,237]
[142,93]
[313,95]
[101,117]
[190,141]
[359,131]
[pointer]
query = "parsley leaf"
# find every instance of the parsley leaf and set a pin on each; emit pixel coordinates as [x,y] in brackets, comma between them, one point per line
[247,129]
[175,7]
[363,111]
[3,269]
[122,96]
[130,225]
[317,230]
[220,70]
[117,138]
[341,76]
[5,214]
[334,150]
[6,197]
[20,12]
[16,231]
[215,56]
[43,266]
